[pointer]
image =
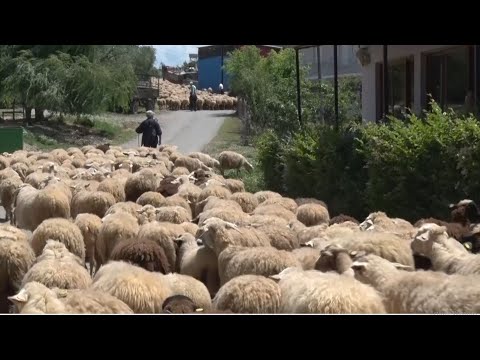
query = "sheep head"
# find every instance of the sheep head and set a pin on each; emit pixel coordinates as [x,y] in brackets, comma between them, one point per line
[213,233]
[464,212]
[373,269]
[425,237]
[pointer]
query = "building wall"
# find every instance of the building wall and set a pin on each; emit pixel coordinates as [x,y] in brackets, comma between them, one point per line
[210,73]
[369,98]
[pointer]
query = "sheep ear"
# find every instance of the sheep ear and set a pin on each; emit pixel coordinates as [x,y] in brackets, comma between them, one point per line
[468,245]
[275,277]
[199,310]
[359,265]
[451,206]
[403,267]
[308,244]
[353,253]
[326,253]
[20,298]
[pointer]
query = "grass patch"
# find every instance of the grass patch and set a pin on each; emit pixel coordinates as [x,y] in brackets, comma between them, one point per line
[229,138]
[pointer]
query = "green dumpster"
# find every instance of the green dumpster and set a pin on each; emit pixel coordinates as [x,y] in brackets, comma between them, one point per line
[11,139]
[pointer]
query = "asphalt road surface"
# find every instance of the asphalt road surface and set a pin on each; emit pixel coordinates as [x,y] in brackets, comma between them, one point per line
[190,131]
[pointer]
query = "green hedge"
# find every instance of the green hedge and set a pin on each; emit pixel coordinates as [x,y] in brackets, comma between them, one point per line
[409,168]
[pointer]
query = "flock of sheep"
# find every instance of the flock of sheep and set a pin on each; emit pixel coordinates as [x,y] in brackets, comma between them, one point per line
[176,97]
[107,230]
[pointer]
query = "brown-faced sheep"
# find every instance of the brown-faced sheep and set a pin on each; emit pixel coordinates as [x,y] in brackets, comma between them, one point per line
[249,294]
[465,212]
[144,253]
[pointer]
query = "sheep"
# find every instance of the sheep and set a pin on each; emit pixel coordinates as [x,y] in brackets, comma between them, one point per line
[227,214]
[179,171]
[281,238]
[163,234]
[179,304]
[343,218]
[173,214]
[381,222]
[235,185]
[454,229]
[232,160]
[21,169]
[217,191]
[188,286]
[114,229]
[91,202]
[33,206]
[311,292]
[310,233]
[168,186]
[128,207]
[259,220]
[275,210]
[223,233]
[57,267]
[286,203]
[114,186]
[465,212]
[143,291]
[246,200]
[61,230]
[16,257]
[446,254]
[335,258]
[89,225]
[419,292]
[36,298]
[199,262]
[307,257]
[4,162]
[213,202]
[139,183]
[190,163]
[8,188]
[303,201]
[189,227]
[177,200]
[387,245]
[264,195]
[312,214]
[204,158]
[147,214]
[187,190]
[144,253]
[249,294]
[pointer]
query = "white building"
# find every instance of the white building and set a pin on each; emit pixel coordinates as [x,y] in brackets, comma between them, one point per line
[450,73]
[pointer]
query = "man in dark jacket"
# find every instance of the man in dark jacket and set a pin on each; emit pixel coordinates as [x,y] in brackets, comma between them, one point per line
[150,130]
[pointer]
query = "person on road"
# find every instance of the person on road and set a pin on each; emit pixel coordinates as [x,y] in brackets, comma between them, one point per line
[150,130]
[220,88]
[193,97]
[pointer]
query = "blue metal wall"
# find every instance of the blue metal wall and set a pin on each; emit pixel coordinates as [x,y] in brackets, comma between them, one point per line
[209,73]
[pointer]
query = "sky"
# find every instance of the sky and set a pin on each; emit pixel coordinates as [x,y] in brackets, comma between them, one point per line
[173,55]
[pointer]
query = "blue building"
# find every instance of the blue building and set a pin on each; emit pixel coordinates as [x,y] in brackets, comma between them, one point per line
[210,64]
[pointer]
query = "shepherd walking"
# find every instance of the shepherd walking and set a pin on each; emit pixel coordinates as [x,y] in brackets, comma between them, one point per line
[150,130]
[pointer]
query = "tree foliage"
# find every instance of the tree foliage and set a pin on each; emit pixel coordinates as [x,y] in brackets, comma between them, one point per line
[73,78]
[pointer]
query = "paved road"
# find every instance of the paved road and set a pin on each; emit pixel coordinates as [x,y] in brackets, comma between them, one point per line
[190,131]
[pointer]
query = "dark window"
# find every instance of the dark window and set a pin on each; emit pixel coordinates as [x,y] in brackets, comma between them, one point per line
[449,78]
